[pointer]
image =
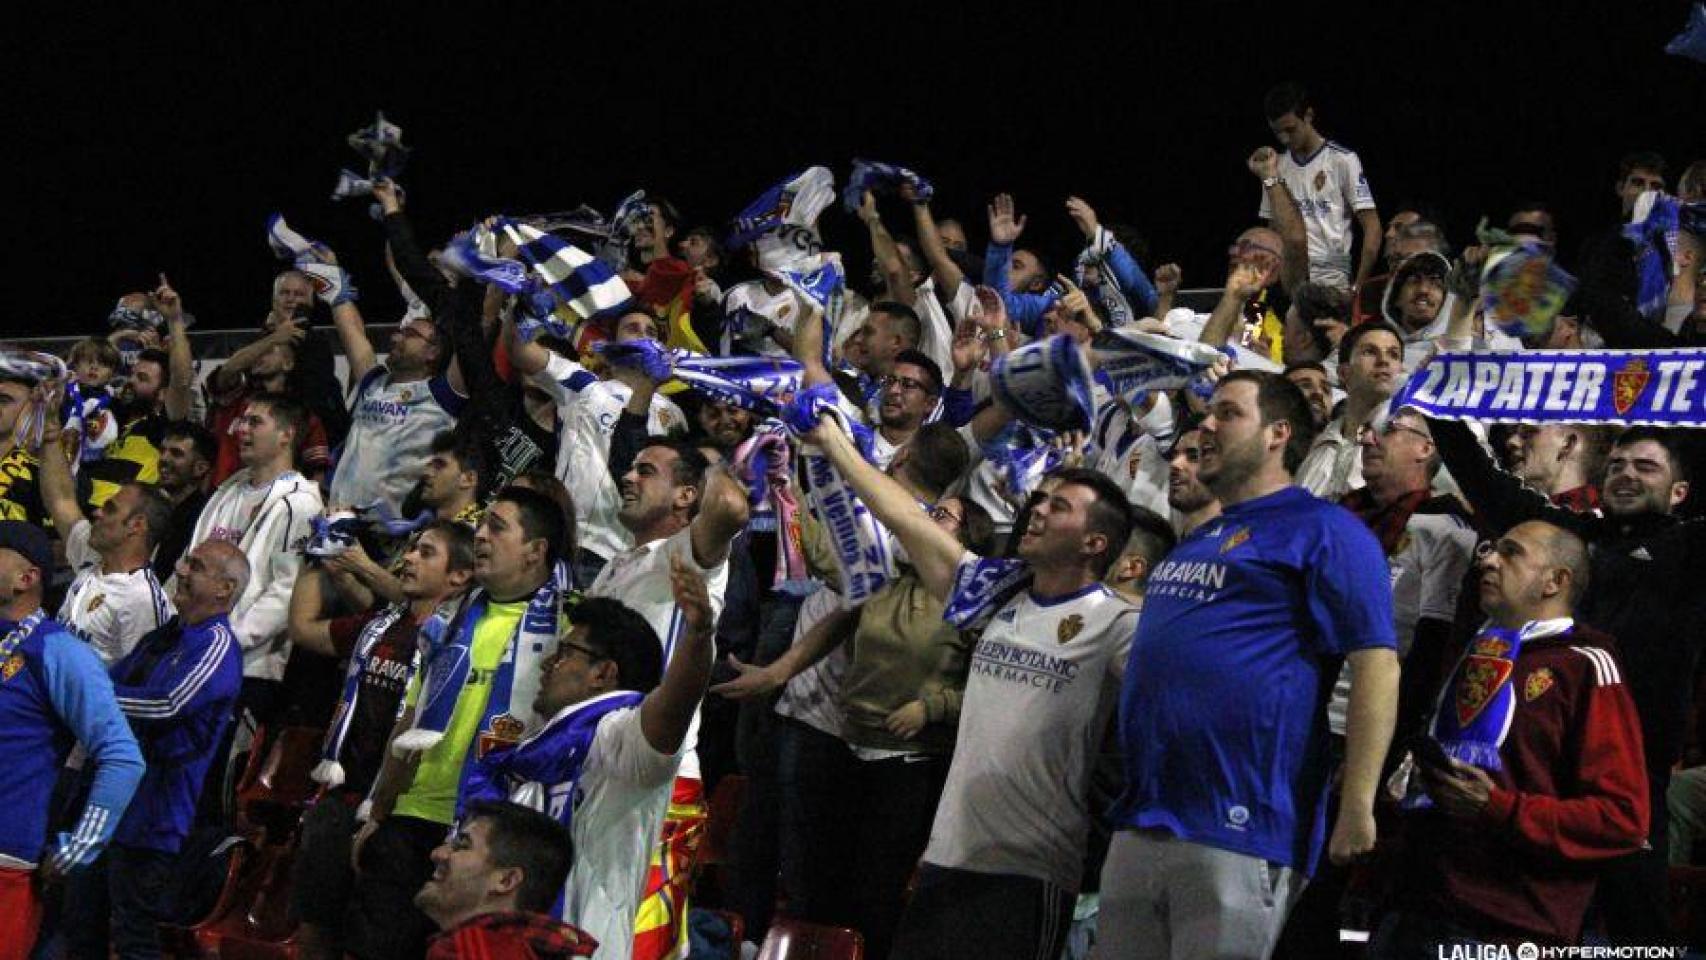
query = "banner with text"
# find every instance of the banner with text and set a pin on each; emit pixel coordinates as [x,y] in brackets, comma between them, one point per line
[1665,388]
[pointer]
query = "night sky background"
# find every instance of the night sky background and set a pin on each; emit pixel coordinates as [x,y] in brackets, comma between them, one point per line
[140,144]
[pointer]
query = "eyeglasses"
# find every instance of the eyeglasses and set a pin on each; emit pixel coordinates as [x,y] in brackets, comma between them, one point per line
[940,513]
[592,655]
[1368,432]
[905,383]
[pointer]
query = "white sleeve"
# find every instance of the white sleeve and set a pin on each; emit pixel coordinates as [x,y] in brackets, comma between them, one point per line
[563,378]
[1354,184]
[1445,562]
[1266,210]
[267,615]
[626,755]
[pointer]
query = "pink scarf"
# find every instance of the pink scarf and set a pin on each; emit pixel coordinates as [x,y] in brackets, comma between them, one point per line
[765,462]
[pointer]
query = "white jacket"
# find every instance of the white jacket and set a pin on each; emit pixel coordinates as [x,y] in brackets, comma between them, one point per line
[272,538]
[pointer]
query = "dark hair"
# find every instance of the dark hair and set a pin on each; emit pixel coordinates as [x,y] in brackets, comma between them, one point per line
[541,519]
[201,439]
[936,457]
[1669,439]
[289,414]
[918,359]
[1348,342]
[469,455]
[544,481]
[98,349]
[1317,301]
[665,209]
[690,466]
[160,358]
[1279,399]
[1640,160]
[620,634]
[1288,97]
[633,307]
[1109,514]
[711,239]
[1151,534]
[906,319]
[1296,365]
[977,528]
[458,543]
[156,510]
[1045,267]
[517,837]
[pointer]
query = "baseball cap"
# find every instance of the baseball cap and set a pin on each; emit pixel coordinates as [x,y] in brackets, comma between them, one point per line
[28,541]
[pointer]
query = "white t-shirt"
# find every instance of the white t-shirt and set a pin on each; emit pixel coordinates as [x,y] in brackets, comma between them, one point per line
[587,409]
[1131,451]
[1329,187]
[229,511]
[813,697]
[112,611]
[390,436]
[1043,686]
[619,806]
[937,322]
[1427,573]
[639,578]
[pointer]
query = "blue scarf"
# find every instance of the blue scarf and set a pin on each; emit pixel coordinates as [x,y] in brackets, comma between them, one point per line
[1657,387]
[1654,230]
[448,638]
[550,758]
[866,560]
[1477,705]
[880,178]
[759,384]
[329,770]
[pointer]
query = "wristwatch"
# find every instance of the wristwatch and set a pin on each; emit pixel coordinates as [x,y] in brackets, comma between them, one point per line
[1268,183]
[994,334]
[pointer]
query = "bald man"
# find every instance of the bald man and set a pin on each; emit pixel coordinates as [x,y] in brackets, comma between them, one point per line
[177,688]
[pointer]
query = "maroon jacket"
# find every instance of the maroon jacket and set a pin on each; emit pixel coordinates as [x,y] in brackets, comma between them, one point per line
[1573,793]
[511,936]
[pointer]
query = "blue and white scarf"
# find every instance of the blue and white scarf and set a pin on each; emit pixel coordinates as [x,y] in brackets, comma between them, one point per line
[759,384]
[587,286]
[289,245]
[1476,707]
[1105,288]
[31,366]
[861,543]
[1665,388]
[880,178]
[381,145]
[794,201]
[547,761]
[1654,227]
[449,638]
[1046,383]
[330,771]
[1136,363]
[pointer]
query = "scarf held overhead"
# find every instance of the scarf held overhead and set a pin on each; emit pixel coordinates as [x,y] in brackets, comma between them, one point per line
[1652,387]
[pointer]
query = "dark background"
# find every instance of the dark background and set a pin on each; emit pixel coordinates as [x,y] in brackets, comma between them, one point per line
[139,144]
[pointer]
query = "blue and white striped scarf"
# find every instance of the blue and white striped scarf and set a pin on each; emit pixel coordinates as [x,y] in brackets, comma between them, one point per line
[330,770]
[880,178]
[861,543]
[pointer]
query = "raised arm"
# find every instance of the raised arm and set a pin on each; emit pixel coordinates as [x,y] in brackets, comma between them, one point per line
[58,490]
[228,374]
[180,359]
[1284,217]
[1242,282]
[946,272]
[668,710]
[935,553]
[722,514]
[883,248]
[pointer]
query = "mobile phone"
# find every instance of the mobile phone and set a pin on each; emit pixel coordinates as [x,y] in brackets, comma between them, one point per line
[1429,753]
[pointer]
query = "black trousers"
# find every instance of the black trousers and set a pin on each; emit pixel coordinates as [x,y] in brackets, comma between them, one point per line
[115,901]
[860,827]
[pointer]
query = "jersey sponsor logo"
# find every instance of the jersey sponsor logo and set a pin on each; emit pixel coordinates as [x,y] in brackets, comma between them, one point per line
[1188,579]
[1237,817]
[1003,661]
[1537,684]
[1627,385]
[13,664]
[1069,627]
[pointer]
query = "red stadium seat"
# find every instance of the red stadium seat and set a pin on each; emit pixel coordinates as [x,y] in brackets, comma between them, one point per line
[277,779]
[791,939]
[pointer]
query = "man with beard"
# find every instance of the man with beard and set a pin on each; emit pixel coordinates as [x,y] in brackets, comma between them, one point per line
[1310,377]
[1371,364]
[115,598]
[1193,503]
[1272,595]
[155,395]
[1645,563]
[187,452]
